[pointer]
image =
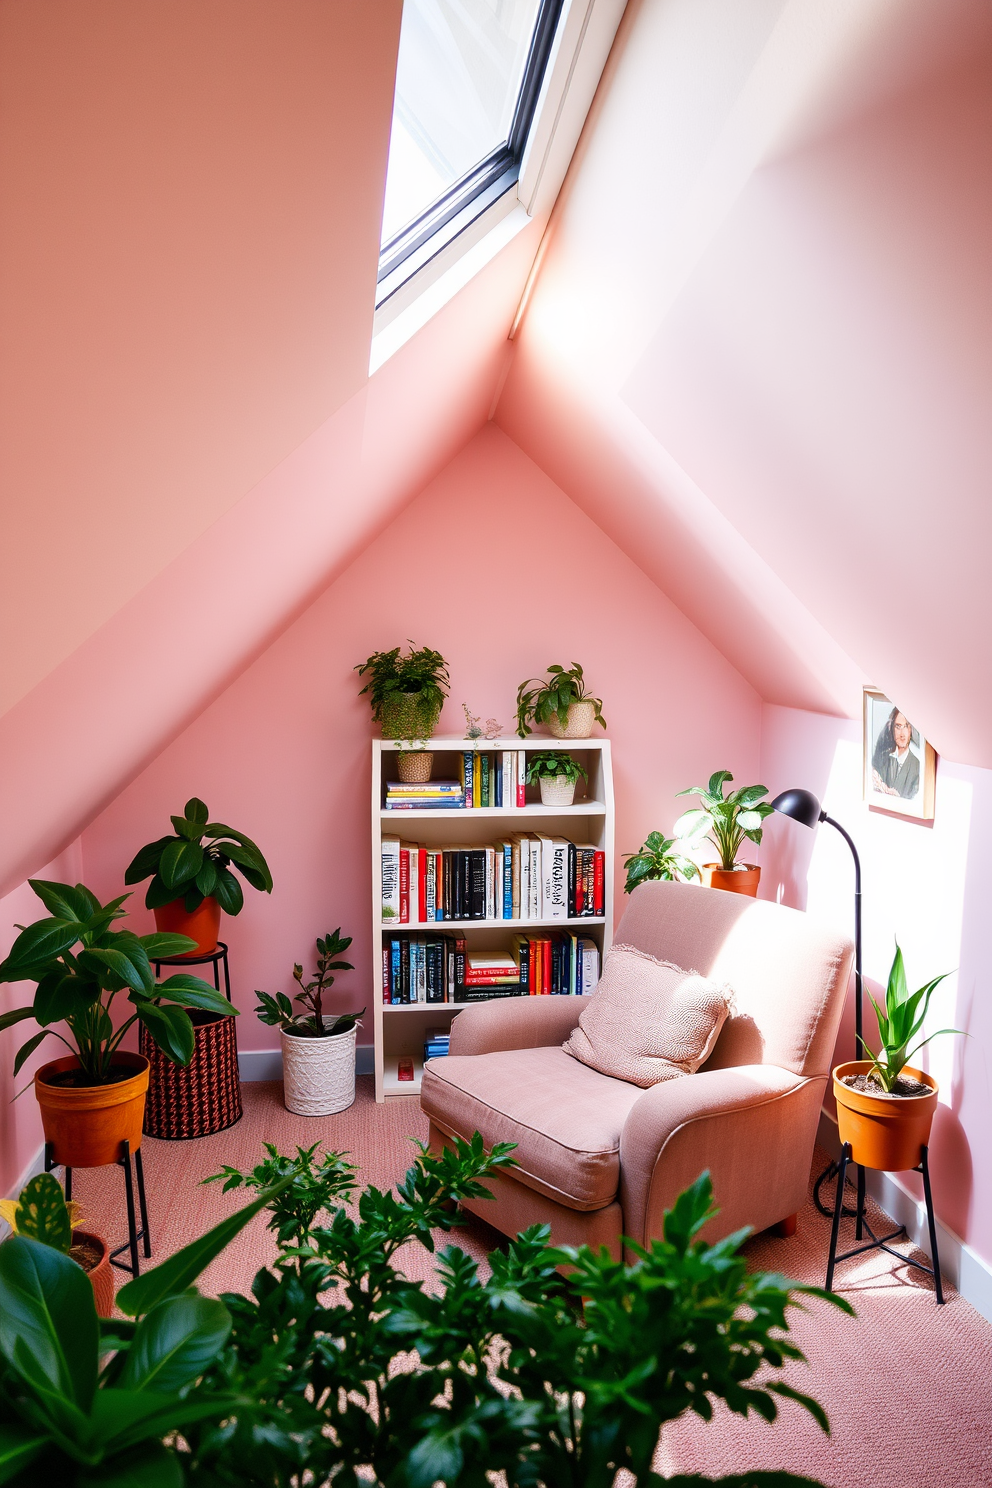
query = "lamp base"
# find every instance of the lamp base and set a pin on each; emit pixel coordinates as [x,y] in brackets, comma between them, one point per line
[832,1170]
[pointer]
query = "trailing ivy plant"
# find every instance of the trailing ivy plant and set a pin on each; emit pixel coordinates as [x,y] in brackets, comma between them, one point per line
[195,863]
[552,764]
[278,1011]
[657,858]
[723,820]
[552,697]
[81,966]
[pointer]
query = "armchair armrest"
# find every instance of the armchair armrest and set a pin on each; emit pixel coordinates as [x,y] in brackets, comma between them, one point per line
[515,1023]
[752,1126]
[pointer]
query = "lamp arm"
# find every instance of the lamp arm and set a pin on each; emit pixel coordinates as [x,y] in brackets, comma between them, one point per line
[858,975]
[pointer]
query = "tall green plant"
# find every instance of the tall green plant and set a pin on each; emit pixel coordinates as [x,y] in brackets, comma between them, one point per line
[195,864]
[723,820]
[278,1011]
[904,1016]
[81,966]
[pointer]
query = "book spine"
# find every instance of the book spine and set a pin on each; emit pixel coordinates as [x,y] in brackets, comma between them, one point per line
[431,973]
[404,886]
[488,978]
[547,966]
[507,880]
[387,995]
[590,966]
[477,884]
[515,881]
[404,970]
[558,881]
[459,961]
[390,878]
[572,879]
[468,777]
[430,889]
[521,777]
[490,883]
[498,782]
[395,973]
[449,969]
[421,884]
[485,781]
[599,885]
[523,961]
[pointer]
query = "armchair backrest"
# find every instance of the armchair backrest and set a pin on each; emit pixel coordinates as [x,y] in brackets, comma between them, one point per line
[788,972]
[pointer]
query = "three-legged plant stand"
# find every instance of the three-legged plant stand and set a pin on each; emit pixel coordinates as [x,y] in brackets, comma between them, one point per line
[133,1233]
[880,1242]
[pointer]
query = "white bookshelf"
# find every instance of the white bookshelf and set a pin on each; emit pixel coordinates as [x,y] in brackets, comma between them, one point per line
[399,1030]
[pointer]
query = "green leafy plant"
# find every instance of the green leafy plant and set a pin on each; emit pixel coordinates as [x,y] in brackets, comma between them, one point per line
[195,864]
[278,1011]
[657,858]
[88,1401]
[406,692]
[81,966]
[338,1369]
[552,764]
[904,1016]
[41,1213]
[552,697]
[724,820]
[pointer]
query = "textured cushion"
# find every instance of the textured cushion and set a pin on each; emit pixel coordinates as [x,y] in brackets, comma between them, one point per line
[649,1020]
[565,1118]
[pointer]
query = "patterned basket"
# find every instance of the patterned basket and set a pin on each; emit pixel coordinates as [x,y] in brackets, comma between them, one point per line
[415,769]
[201,1097]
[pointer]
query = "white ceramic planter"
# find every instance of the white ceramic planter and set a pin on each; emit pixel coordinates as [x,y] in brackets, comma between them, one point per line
[581,718]
[318,1075]
[557,790]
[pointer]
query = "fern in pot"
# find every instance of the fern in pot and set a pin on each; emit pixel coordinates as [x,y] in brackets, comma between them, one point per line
[558,774]
[407,694]
[318,1048]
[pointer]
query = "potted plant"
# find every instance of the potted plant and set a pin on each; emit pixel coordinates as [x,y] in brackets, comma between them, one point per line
[94,1099]
[191,878]
[561,701]
[884,1106]
[657,858]
[42,1213]
[318,1048]
[558,774]
[407,694]
[726,821]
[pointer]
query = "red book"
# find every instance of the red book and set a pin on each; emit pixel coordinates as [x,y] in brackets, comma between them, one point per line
[546,968]
[597,892]
[489,979]
[521,760]
[404,1069]
[422,886]
[404,886]
[535,967]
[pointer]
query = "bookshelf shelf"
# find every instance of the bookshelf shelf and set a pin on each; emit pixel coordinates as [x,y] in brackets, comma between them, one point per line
[397,1038]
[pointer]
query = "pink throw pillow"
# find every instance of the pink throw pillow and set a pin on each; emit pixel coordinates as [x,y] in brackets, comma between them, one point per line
[649,1020]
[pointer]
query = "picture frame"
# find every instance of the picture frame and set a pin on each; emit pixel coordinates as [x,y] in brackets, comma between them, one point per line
[900,764]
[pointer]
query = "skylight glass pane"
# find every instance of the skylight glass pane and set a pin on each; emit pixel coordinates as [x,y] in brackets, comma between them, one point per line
[459,72]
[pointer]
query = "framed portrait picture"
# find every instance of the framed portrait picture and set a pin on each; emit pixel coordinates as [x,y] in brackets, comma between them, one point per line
[900,767]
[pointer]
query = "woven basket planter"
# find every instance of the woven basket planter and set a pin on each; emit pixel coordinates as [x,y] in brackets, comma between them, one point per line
[201,1097]
[581,719]
[557,790]
[319,1073]
[415,769]
[406,715]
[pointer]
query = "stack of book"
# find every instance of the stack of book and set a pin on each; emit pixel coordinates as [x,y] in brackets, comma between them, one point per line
[436,1043]
[520,877]
[422,969]
[420,797]
[494,779]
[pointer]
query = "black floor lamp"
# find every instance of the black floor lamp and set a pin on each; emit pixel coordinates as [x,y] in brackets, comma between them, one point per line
[803,807]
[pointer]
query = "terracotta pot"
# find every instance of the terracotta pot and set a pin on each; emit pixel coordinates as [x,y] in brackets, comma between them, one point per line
[86,1124]
[581,719]
[557,790]
[742,880]
[415,768]
[885,1131]
[406,715]
[203,925]
[102,1275]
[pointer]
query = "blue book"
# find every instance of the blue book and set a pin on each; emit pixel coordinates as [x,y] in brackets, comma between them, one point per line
[394,978]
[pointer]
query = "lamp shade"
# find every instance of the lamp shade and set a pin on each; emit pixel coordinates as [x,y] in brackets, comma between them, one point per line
[801,805]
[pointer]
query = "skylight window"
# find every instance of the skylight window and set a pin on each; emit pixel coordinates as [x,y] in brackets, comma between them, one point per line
[468,78]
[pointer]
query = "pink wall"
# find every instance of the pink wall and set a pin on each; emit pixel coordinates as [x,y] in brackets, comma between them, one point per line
[192,197]
[493,565]
[928,885]
[20,1123]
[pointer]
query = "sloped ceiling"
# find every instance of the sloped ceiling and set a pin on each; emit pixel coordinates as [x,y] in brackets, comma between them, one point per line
[759,352]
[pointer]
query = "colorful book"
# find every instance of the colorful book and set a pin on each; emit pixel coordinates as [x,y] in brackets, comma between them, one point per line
[390,878]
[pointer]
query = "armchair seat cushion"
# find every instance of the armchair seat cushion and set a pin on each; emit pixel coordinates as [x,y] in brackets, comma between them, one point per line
[565,1118]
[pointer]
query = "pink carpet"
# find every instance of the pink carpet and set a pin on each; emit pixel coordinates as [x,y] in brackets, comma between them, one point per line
[907,1385]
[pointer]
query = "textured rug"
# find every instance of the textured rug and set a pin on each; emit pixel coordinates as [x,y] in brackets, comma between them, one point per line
[907,1385]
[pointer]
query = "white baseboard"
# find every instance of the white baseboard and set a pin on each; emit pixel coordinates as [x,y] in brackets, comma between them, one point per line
[266,1064]
[963,1268]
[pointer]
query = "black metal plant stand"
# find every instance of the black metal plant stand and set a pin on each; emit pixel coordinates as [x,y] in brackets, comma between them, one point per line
[217,959]
[133,1233]
[879,1242]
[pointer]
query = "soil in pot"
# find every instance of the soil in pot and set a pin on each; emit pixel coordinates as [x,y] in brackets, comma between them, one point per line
[90,1252]
[86,1124]
[201,925]
[905,1086]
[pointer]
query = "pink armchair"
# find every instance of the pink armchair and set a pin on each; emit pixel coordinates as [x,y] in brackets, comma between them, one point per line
[598,1158]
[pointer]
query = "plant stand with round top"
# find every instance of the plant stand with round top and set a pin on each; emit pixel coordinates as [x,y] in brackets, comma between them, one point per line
[204,1096]
[56,1155]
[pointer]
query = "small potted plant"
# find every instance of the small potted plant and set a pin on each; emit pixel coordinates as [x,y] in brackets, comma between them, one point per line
[726,821]
[657,858]
[191,878]
[884,1106]
[558,774]
[560,701]
[407,694]
[94,1098]
[318,1048]
[41,1213]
